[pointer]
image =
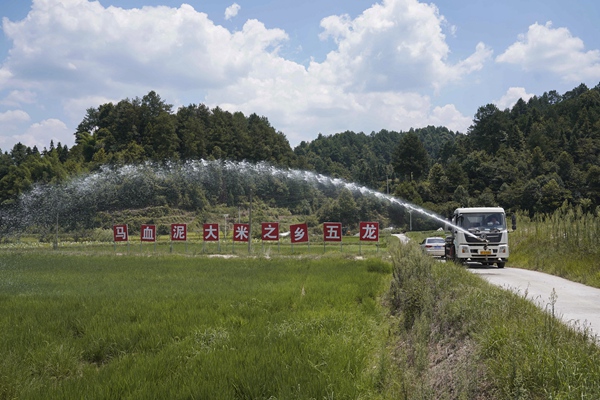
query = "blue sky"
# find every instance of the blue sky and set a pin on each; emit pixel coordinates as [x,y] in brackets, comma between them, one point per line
[310,67]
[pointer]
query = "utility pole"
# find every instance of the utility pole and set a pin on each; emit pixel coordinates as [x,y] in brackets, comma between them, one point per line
[250,225]
[56,239]
[389,170]
[56,202]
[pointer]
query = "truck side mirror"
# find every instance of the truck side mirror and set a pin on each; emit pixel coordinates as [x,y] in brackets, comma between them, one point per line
[514,222]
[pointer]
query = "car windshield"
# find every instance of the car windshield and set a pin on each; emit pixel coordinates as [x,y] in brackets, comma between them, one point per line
[435,240]
[483,221]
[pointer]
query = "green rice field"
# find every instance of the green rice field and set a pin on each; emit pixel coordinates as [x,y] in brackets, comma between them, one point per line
[113,326]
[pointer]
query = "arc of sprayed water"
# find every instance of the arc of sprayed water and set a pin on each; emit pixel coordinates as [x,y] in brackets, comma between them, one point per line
[108,179]
[312,177]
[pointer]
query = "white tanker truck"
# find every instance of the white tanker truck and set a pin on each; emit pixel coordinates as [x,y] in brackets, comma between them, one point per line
[479,234]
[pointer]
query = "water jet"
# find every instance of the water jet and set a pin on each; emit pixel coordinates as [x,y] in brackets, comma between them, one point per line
[188,185]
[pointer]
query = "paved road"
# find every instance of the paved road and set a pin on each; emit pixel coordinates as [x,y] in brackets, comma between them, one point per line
[575,304]
[402,237]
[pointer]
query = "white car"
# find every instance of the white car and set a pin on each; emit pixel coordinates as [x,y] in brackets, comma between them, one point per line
[434,246]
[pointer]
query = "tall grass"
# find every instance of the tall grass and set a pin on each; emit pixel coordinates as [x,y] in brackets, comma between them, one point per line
[434,348]
[461,337]
[177,327]
[565,243]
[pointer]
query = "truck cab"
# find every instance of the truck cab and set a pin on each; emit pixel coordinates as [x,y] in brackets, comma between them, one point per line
[478,234]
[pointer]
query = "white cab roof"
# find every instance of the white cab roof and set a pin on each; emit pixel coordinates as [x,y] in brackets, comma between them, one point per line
[471,210]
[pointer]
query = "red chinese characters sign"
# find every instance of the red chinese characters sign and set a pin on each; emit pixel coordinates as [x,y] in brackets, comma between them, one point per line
[299,233]
[211,232]
[148,233]
[270,231]
[179,232]
[120,233]
[332,232]
[369,231]
[241,232]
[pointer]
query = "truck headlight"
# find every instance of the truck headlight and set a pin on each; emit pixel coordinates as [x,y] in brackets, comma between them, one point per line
[502,249]
[463,249]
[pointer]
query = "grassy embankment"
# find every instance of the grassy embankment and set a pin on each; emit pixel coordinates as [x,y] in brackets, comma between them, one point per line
[460,337]
[566,244]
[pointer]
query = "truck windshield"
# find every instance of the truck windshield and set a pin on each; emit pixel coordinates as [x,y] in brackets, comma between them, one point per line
[482,221]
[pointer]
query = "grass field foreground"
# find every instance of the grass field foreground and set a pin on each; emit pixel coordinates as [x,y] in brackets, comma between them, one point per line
[104,327]
[180,327]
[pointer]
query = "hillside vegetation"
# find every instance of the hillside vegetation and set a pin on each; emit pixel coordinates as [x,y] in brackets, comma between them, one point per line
[533,157]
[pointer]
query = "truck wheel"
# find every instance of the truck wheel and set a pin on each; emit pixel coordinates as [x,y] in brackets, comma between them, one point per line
[500,265]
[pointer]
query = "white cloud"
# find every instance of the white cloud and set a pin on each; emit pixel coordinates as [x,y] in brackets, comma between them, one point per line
[232,11]
[82,46]
[13,116]
[451,118]
[40,134]
[18,97]
[386,63]
[544,48]
[13,122]
[511,96]
[5,76]
[397,45]
[76,107]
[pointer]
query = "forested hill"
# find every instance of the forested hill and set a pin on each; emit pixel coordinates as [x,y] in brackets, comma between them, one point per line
[368,159]
[531,157]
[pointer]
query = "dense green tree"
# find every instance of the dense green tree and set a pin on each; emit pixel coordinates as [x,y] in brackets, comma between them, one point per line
[407,190]
[18,153]
[552,196]
[192,130]
[438,183]
[6,161]
[509,195]
[348,210]
[531,195]
[515,138]
[410,159]
[165,142]
[16,181]
[461,196]
[592,181]
[486,199]
[565,166]
[538,162]
[490,128]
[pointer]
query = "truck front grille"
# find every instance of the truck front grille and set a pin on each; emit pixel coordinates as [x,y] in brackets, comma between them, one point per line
[491,237]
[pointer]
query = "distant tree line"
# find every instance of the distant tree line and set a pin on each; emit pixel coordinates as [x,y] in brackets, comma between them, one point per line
[534,157]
